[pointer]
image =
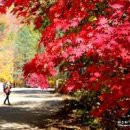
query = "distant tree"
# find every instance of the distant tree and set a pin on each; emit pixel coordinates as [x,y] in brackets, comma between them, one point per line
[25,45]
[6,50]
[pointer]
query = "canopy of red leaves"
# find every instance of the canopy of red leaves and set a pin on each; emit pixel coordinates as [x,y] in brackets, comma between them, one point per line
[95,53]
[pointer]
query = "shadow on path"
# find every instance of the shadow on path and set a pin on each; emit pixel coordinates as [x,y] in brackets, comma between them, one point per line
[29,109]
[31,116]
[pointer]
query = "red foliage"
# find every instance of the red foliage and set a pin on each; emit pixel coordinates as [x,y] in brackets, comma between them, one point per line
[104,42]
[37,80]
[38,22]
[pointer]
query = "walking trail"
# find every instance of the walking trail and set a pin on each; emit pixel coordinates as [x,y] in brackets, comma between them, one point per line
[29,109]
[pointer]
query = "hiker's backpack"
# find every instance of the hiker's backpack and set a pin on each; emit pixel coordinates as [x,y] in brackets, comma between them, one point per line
[5,88]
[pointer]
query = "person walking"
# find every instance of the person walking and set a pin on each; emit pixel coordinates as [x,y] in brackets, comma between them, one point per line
[7,91]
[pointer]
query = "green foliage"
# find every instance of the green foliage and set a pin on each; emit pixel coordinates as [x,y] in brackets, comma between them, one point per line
[59,33]
[46,22]
[2,27]
[25,48]
[86,100]
[25,42]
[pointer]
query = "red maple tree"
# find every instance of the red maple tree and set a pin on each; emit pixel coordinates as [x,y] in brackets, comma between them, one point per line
[94,47]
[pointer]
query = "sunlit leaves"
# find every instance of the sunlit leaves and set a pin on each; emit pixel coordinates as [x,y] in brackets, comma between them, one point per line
[37,80]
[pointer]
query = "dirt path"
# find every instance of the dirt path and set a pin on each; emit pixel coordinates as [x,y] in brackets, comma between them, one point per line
[29,109]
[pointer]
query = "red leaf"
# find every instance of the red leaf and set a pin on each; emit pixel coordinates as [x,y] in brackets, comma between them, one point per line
[37,80]
[38,22]
[2,10]
[9,3]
